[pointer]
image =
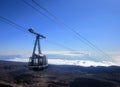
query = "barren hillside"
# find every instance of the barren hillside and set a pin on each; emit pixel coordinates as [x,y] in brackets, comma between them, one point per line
[16,74]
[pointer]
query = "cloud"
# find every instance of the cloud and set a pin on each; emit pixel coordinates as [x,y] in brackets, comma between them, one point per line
[6,57]
[65,58]
[116,59]
[85,63]
[67,53]
[22,59]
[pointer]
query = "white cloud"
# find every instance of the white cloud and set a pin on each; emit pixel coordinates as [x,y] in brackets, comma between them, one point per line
[67,53]
[79,62]
[116,59]
[85,63]
[70,58]
[19,59]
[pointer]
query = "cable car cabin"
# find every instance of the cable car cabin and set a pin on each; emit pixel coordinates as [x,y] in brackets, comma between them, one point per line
[37,61]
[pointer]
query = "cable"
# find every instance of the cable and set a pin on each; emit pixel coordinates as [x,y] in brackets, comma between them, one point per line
[71,29]
[50,18]
[60,45]
[38,10]
[44,9]
[13,23]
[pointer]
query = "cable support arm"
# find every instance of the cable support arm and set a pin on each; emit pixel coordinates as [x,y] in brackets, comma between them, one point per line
[32,31]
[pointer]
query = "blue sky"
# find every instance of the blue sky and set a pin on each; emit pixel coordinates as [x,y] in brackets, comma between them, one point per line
[96,20]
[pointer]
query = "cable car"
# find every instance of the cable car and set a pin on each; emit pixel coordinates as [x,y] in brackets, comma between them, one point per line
[37,61]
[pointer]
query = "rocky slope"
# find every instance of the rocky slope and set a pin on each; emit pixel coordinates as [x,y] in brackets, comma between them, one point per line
[16,74]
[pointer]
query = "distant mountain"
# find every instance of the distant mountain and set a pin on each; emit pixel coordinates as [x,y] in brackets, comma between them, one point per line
[6,57]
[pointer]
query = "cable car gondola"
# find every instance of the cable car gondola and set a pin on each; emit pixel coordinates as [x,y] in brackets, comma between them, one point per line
[37,61]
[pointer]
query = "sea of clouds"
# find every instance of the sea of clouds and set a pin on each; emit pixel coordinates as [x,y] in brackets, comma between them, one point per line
[63,58]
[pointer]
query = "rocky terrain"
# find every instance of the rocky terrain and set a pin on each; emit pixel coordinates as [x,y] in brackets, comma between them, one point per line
[16,74]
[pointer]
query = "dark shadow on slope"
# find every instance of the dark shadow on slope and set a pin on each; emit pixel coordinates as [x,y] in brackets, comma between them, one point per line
[87,82]
[4,85]
[57,84]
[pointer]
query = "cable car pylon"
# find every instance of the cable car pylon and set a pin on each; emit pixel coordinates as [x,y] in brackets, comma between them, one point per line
[37,61]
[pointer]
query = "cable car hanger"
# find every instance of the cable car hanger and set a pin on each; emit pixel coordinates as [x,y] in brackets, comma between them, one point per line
[37,61]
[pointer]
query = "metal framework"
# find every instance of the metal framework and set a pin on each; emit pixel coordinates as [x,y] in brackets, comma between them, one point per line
[37,61]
